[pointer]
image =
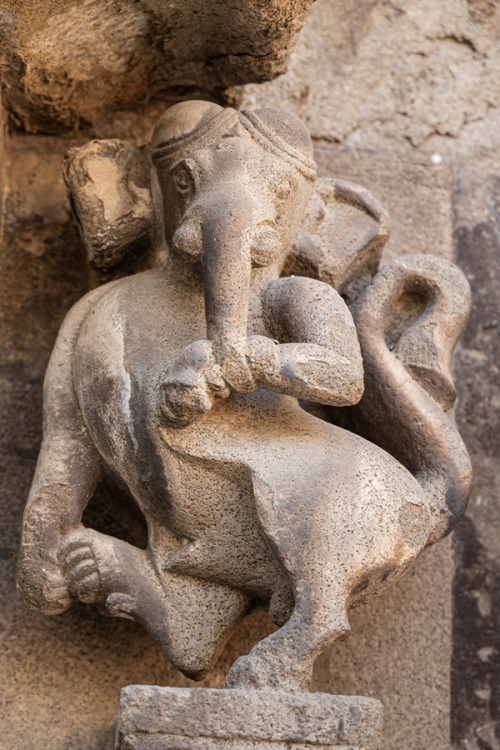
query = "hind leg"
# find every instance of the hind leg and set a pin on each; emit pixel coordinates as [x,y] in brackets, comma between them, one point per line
[66,476]
[285,659]
[190,619]
[301,520]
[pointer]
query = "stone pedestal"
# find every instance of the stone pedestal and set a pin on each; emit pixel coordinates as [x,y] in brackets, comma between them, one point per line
[155,718]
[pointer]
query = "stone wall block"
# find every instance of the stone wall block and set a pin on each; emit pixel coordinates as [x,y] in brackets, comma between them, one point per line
[152,718]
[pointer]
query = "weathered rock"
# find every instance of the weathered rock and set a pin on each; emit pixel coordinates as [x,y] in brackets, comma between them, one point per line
[394,635]
[410,91]
[64,64]
[394,76]
[152,718]
[110,184]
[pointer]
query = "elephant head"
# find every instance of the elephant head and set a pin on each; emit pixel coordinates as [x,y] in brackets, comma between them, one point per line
[234,190]
[232,198]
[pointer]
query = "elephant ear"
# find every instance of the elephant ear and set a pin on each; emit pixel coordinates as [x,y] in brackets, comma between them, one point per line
[110,190]
[342,237]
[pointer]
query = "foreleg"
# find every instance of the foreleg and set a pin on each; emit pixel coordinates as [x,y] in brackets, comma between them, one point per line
[318,357]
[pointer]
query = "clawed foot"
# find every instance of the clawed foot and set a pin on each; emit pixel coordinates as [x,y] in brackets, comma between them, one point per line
[102,570]
[205,373]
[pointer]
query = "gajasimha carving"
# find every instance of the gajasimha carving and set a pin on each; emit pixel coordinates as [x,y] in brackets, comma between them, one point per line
[244,293]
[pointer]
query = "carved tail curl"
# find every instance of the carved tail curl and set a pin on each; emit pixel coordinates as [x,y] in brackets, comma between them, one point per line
[409,319]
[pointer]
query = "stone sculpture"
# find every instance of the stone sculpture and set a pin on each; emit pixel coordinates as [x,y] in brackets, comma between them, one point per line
[183,382]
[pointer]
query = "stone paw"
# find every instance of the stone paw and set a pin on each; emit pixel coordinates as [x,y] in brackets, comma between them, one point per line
[79,565]
[87,561]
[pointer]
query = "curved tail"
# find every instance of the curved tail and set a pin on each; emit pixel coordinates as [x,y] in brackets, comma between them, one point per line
[408,320]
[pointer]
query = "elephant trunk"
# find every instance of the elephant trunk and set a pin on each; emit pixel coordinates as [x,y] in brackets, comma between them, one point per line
[236,233]
[227,266]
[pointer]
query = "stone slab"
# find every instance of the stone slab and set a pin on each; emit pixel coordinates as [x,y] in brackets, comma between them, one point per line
[156,718]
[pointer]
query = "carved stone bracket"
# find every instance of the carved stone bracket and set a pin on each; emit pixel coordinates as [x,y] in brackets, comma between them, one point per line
[250,290]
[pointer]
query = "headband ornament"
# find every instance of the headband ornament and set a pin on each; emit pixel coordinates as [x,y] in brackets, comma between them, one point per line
[225,123]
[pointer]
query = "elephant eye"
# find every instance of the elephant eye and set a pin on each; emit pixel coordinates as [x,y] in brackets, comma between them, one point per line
[283,187]
[183,178]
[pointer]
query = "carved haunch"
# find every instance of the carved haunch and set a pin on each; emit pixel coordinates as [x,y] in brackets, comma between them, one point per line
[184,379]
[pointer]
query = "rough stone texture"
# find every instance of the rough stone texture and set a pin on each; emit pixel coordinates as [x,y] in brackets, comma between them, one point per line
[106,647]
[118,212]
[160,718]
[389,658]
[178,381]
[393,74]
[65,64]
[42,274]
[413,86]
[400,650]
[401,183]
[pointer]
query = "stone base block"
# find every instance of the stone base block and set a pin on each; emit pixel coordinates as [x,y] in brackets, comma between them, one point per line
[156,718]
